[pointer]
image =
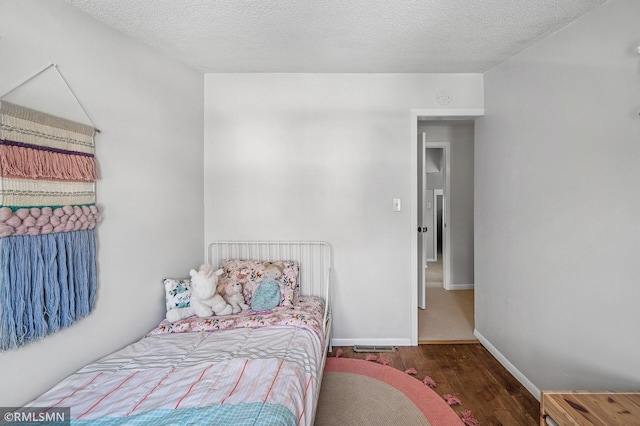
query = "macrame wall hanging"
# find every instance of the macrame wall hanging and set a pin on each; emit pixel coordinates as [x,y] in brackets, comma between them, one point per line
[48,216]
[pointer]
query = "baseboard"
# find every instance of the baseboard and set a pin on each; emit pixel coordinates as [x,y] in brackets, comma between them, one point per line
[533,390]
[449,342]
[370,342]
[461,287]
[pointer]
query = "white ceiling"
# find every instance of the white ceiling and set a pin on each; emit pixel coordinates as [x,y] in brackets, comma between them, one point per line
[338,36]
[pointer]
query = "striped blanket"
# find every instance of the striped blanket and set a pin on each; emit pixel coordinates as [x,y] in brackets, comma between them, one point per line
[242,376]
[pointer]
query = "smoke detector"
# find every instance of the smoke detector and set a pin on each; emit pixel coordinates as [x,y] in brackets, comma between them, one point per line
[443,97]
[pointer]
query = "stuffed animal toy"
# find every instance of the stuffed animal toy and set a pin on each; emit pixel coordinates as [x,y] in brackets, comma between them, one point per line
[267,295]
[233,296]
[205,301]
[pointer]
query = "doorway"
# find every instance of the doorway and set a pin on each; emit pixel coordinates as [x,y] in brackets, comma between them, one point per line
[456,210]
[446,315]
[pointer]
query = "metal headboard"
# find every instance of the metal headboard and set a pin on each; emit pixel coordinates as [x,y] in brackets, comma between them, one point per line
[315,259]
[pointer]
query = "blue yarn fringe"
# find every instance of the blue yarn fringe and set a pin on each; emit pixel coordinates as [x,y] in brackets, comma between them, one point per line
[47,282]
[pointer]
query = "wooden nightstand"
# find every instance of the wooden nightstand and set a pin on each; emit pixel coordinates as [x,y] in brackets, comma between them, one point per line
[590,408]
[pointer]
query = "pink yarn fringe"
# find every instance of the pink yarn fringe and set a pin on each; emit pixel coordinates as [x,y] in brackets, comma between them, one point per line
[429,382]
[370,357]
[382,361]
[339,353]
[451,399]
[411,371]
[20,162]
[468,419]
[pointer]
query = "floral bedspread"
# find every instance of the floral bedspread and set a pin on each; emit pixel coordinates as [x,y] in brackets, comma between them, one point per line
[307,314]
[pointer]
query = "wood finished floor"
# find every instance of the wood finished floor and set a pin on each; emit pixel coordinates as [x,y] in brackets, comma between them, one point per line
[471,373]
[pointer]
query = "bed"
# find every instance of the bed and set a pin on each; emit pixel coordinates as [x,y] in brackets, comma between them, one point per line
[243,369]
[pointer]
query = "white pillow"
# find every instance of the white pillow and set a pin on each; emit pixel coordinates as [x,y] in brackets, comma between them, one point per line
[177,293]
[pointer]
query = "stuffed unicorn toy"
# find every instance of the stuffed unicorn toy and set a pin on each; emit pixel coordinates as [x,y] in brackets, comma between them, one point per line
[205,301]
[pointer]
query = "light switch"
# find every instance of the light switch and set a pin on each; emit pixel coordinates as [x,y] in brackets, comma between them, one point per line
[428,205]
[397,205]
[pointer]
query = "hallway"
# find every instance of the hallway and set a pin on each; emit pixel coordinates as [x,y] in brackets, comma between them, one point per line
[449,315]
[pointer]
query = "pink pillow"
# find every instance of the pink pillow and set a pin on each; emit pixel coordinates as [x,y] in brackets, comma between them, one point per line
[251,273]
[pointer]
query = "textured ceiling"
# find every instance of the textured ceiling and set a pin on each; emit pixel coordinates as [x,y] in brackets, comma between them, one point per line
[342,36]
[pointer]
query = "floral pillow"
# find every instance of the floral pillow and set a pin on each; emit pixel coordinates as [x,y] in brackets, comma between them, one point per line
[177,292]
[251,273]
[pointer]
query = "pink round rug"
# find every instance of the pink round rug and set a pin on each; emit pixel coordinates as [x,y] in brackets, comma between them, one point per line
[358,392]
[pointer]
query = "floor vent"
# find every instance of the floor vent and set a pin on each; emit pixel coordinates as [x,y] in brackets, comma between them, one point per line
[360,348]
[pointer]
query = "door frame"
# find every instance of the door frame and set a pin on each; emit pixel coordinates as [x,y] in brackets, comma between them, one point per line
[419,114]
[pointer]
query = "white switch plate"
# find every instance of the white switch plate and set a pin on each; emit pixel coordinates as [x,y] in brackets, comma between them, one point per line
[397,205]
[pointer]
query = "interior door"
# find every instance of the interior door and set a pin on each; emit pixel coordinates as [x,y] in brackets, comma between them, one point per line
[422,229]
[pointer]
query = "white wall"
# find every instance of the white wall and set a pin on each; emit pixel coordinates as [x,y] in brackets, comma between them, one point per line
[558,206]
[320,157]
[149,153]
[460,135]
